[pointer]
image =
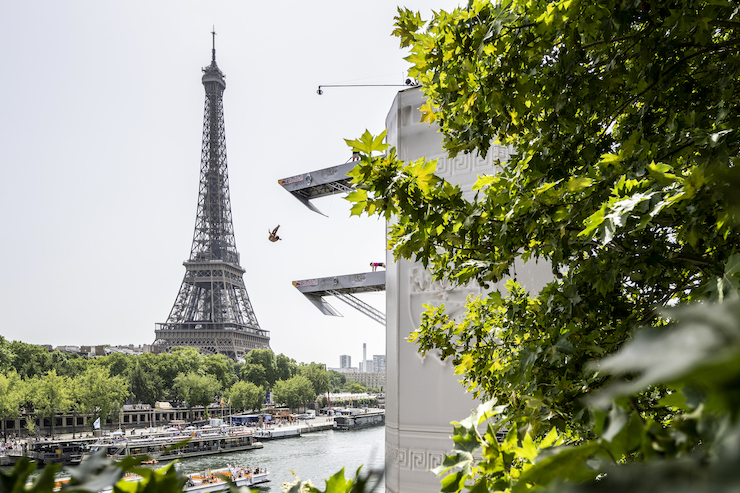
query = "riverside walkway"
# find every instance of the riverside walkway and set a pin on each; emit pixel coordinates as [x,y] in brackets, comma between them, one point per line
[15,449]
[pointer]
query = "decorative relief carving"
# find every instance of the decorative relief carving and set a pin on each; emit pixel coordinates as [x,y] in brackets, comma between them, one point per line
[403,459]
[435,459]
[424,289]
[391,455]
[472,164]
[419,460]
[464,164]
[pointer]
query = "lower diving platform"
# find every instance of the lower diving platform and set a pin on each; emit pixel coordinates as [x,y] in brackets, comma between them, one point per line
[344,288]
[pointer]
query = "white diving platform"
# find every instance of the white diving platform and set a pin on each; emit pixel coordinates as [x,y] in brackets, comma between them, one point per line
[344,288]
[319,183]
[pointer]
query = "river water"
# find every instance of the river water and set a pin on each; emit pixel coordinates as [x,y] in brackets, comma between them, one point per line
[314,456]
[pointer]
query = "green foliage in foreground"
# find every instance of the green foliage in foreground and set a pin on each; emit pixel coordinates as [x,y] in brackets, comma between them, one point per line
[696,360]
[99,473]
[623,371]
[362,482]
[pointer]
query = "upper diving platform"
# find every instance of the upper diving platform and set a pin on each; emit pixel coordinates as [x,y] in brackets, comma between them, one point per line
[344,288]
[319,183]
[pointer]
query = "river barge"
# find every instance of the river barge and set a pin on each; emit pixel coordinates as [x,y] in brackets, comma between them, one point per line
[166,448]
[213,479]
[68,452]
[275,433]
[359,421]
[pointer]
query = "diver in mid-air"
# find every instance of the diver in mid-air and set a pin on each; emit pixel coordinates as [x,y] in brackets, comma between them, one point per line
[273,234]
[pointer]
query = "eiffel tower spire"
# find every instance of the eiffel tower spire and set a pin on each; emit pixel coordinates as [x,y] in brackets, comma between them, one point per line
[212,311]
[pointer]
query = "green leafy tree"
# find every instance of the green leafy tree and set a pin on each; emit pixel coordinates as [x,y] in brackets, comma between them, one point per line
[6,355]
[266,359]
[286,367]
[78,365]
[29,360]
[11,396]
[169,366]
[188,357]
[51,395]
[196,389]
[293,392]
[246,396]
[354,387]
[254,374]
[624,117]
[145,383]
[30,427]
[62,363]
[100,395]
[317,375]
[336,381]
[118,364]
[77,403]
[221,367]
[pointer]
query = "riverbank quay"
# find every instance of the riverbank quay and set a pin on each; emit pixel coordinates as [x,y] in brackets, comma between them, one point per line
[69,450]
[50,446]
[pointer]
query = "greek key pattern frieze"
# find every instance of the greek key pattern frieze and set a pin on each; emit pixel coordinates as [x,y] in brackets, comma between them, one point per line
[463,164]
[419,459]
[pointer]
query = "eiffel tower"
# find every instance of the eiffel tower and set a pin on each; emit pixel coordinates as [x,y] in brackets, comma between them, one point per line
[212,311]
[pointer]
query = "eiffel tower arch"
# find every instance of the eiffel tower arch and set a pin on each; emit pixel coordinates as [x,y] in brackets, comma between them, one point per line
[212,311]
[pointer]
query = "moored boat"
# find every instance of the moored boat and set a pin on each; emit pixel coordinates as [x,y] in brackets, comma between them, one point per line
[160,448]
[69,451]
[275,433]
[214,479]
[359,421]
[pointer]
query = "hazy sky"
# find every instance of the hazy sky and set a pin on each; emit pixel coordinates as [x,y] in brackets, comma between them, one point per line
[101,124]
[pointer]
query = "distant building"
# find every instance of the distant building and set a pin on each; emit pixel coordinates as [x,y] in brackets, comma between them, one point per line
[93,351]
[368,367]
[369,380]
[379,363]
[344,370]
[345,361]
[68,349]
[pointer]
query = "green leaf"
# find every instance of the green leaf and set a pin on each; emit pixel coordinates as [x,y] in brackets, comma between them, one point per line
[528,450]
[566,462]
[578,183]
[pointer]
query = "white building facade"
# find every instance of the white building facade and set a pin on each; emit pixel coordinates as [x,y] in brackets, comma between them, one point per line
[423,395]
[379,363]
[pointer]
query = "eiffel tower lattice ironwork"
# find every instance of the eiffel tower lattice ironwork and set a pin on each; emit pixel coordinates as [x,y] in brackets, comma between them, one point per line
[212,311]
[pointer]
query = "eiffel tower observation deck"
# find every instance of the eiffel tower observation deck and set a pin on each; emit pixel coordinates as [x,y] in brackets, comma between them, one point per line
[212,311]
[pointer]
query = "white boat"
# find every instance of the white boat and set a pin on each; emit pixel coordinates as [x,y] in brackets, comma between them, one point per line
[159,448]
[274,433]
[213,479]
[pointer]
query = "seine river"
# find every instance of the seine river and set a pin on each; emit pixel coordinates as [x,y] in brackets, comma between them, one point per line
[314,456]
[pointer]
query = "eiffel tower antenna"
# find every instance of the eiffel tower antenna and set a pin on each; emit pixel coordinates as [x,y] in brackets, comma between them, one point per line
[212,311]
[213,52]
